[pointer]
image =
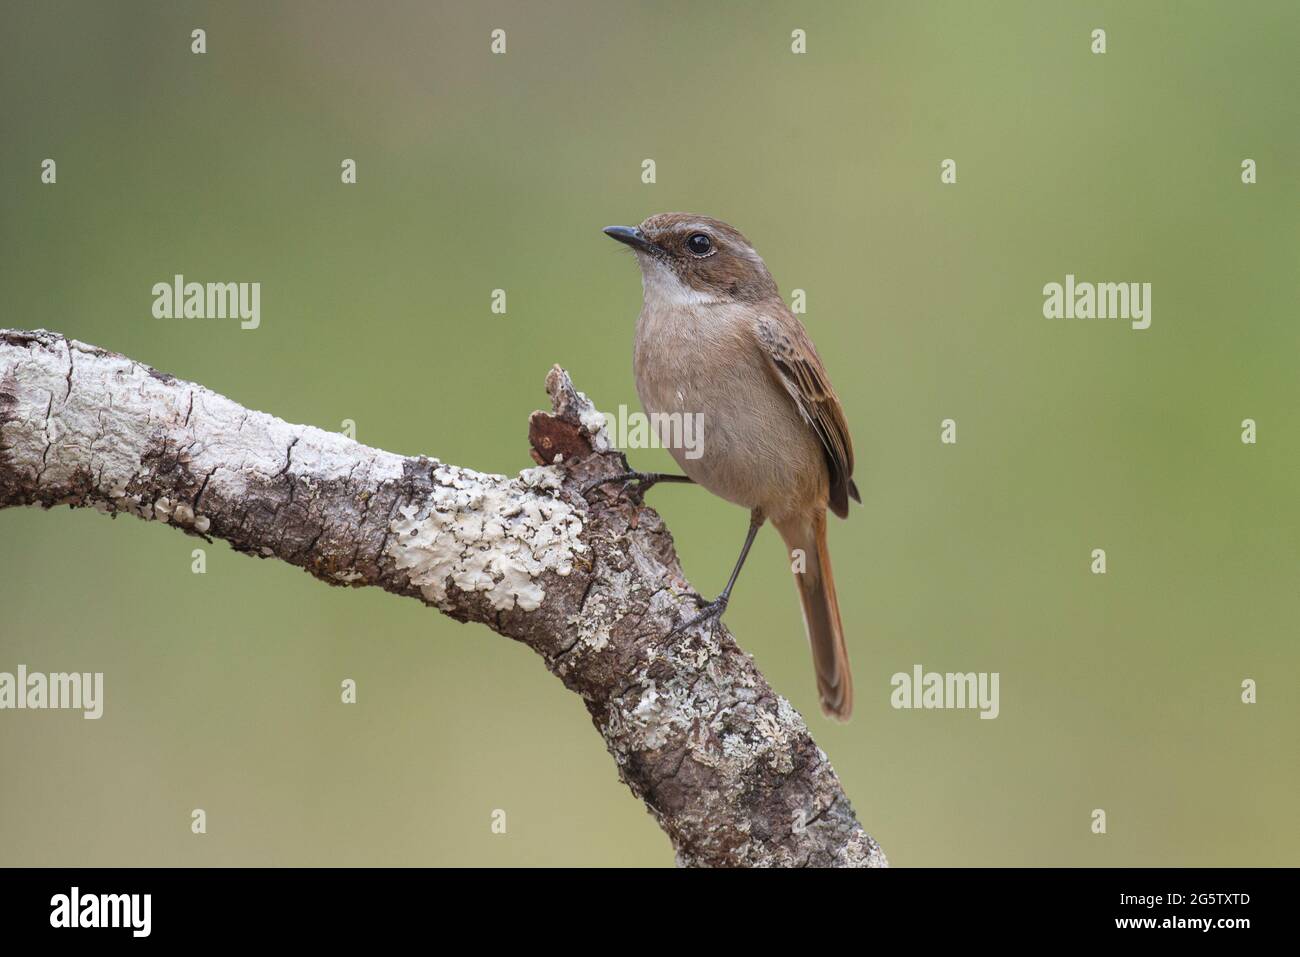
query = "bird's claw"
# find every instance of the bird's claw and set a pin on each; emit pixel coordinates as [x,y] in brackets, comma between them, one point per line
[642,481]
[711,612]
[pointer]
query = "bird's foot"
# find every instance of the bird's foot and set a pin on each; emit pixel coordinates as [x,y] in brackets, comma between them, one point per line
[635,484]
[711,612]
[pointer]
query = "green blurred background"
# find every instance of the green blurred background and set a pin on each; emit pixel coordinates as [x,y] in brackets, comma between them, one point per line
[479,171]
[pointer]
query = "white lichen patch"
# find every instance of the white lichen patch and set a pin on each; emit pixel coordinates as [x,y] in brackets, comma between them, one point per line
[594,422]
[604,608]
[593,625]
[700,706]
[542,477]
[79,410]
[862,851]
[489,534]
[663,711]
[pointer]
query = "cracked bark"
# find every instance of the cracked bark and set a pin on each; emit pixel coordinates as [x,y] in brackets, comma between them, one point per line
[724,764]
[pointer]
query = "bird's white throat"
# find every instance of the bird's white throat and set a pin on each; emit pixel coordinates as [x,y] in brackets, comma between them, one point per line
[663,288]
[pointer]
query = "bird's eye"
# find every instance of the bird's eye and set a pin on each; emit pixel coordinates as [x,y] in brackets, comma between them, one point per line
[699,244]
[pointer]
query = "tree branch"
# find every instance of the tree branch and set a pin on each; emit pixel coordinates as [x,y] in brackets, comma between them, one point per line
[725,764]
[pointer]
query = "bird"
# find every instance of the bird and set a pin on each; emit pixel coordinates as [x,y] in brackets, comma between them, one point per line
[714,339]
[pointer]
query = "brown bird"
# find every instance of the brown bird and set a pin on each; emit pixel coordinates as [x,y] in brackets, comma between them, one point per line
[715,340]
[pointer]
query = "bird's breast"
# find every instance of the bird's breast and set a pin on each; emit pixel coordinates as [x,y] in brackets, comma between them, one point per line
[713,403]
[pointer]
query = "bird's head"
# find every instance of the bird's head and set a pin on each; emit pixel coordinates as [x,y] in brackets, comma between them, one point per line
[689,258]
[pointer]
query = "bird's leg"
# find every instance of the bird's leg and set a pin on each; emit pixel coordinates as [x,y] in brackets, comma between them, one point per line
[643,481]
[714,609]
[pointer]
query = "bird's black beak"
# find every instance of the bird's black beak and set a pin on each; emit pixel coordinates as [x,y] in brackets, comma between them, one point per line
[632,236]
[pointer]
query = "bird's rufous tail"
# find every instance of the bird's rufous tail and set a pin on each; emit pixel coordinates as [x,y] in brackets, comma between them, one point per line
[821,610]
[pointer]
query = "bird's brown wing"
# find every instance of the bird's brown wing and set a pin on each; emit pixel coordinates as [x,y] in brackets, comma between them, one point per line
[799,370]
